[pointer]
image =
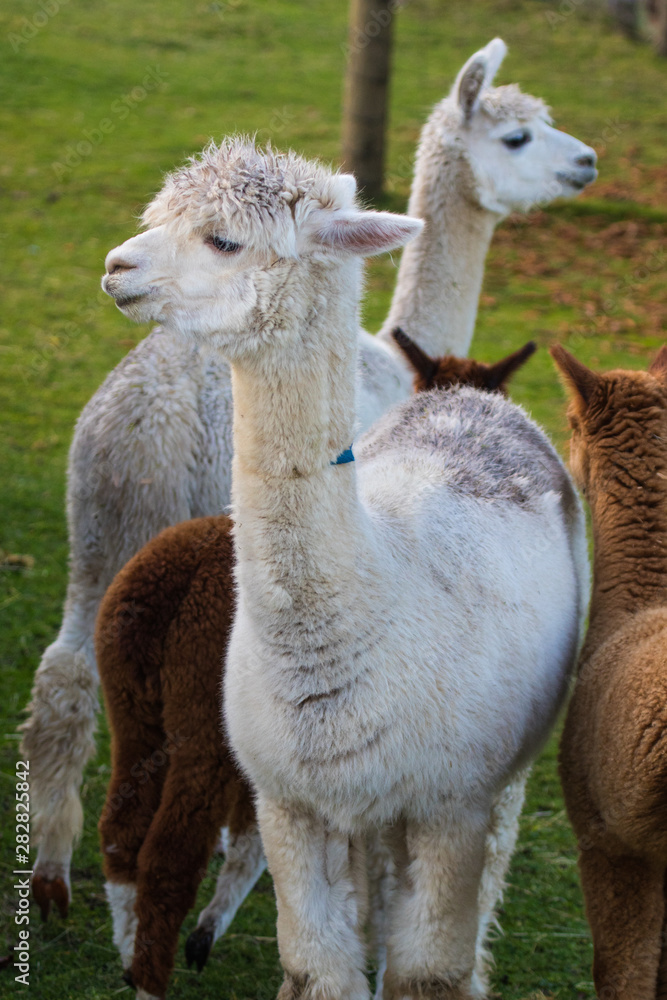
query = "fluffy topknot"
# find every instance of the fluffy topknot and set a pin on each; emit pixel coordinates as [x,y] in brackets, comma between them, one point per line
[509,102]
[246,193]
[506,103]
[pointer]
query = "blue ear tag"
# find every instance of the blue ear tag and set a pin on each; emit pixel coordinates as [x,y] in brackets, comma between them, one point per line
[344,457]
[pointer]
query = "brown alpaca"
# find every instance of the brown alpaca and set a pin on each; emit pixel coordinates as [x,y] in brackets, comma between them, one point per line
[613,755]
[441,373]
[160,632]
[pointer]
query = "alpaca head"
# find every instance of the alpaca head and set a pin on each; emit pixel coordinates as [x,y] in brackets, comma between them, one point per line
[618,421]
[516,159]
[233,242]
[444,372]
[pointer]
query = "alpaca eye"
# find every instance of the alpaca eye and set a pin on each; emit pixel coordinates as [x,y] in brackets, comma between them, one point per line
[223,245]
[517,139]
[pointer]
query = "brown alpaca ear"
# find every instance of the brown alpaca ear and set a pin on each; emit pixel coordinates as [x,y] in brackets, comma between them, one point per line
[579,379]
[658,366]
[424,366]
[498,375]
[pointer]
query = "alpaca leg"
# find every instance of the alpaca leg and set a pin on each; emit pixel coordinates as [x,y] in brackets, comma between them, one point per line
[244,863]
[381,883]
[625,910]
[500,843]
[321,897]
[499,848]
[58,741]
[134,709]
[174,859]
[434,914]
[121,897]
[132,799]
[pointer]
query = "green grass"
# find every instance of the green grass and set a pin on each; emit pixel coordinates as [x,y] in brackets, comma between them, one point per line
[591,274]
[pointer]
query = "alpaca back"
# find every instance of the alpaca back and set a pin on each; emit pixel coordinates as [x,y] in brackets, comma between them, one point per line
[167,601]
[151,448]
[485,446]
[492,452]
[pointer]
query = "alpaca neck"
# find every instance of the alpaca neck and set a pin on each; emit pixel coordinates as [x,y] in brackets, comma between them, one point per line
[297,517]
[630,546]
[441,272]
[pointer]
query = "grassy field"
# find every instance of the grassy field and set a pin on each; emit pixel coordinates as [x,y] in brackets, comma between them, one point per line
[98,100]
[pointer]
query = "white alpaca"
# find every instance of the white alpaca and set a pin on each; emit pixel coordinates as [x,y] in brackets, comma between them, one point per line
[153,445]
[484,152]
[406,625]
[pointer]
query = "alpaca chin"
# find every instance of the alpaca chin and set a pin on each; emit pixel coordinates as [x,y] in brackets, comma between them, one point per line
[140,309]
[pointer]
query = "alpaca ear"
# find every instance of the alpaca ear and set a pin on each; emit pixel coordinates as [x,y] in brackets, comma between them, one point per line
[499,374]
[579,379]
[346,184]
[658,366]
[477,75]
[424,366]
[362,233]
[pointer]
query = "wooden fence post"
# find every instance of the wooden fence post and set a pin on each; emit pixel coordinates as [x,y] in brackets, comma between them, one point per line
[657,14]
[367,91]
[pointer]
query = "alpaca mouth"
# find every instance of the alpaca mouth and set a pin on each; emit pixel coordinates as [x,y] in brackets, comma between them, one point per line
[580,180]
[129,301]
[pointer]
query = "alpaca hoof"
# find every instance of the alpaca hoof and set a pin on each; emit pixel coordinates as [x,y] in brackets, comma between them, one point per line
[198,947]
[44,890]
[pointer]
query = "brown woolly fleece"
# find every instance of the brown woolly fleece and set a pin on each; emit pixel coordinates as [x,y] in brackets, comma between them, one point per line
[613,754]
[160,639]
[441,373]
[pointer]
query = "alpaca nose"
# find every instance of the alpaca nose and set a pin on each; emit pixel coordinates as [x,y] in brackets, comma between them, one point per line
[117,263]
[587,159]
